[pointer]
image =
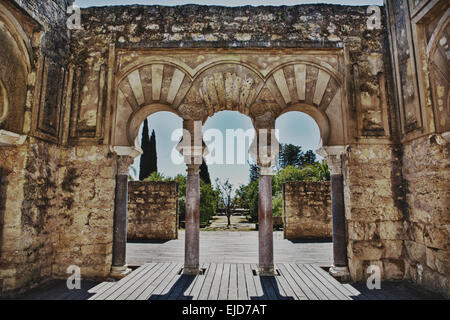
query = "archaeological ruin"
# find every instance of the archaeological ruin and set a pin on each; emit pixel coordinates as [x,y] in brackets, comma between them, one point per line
[375,80]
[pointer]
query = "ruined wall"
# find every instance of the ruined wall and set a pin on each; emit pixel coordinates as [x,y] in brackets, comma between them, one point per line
[419,34]
[427,174]
[35,50]
[375,227]
[85,211]
[152,211]
[28,216]
[307,210]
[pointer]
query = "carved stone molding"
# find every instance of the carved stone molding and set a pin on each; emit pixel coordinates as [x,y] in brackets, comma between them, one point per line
[333,157]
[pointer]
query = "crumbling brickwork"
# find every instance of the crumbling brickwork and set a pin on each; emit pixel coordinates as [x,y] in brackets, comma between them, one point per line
[152,211]
[307,210]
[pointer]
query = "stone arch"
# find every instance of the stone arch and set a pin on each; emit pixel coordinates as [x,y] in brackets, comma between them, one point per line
[15,66]
[312,88]
[319,117]
[3,102]
[438,54]
[138,117]
[145,90]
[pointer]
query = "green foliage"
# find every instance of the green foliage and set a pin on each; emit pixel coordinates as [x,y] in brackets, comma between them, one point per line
[208,202]
[290,155]
[209,197]
[247,198]
[277,205]
[157,177]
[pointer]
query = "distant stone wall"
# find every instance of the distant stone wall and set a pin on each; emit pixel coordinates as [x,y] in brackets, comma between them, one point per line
[152,211]
[307,210]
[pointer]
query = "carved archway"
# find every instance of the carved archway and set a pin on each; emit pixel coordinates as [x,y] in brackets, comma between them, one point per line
[15,65]
[304,85]
[438,52]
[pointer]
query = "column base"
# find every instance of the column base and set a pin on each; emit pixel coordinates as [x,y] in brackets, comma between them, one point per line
[341,273]
[191,271]
[267,272]
[118,273]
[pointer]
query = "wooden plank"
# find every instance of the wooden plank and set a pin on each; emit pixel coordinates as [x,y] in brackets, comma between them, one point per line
[207,285]
[215,287]
[180,286]
[223,292]
[305,282]
[258,285]
[289,293]
[317,283]
[132,283]
[242,285]
[136,274]
[144,290]
[349,292]
[269,292]
[187,292]
[335,288]
[167,284]
[200,282]
[233,286]
[299,293]
[142,283]
[250,282]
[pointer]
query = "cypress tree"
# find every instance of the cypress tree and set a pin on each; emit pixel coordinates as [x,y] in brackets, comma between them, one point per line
[204,173]
[153,154]
[144,169]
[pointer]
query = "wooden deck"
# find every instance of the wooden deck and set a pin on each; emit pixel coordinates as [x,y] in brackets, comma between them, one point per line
[231,247]
[164,281]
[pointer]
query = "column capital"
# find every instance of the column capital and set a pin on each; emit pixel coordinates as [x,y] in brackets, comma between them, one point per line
[265,149]
[333,157]
[192,146]
[123,165]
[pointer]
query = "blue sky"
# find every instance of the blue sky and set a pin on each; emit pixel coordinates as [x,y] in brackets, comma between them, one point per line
[294,127]
[230,3]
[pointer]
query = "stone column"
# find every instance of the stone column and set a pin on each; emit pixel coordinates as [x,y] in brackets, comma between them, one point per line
[333,156]
[266,150]
[119,267]
[194,150]
[192,237]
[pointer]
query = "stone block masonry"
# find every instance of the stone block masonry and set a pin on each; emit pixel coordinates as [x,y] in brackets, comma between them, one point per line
[307,210]
[152,211]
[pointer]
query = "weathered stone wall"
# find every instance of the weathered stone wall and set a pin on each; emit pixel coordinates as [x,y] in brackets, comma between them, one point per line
[375,230]
[418,33]
[427,175]
[85,211]
[28,214]
[152,211]
[307,210]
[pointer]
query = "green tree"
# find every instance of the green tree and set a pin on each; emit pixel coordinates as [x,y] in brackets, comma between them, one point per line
[226,190]
[308,158]
[290,155]
[254,172]
[204,173]
[149,157]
